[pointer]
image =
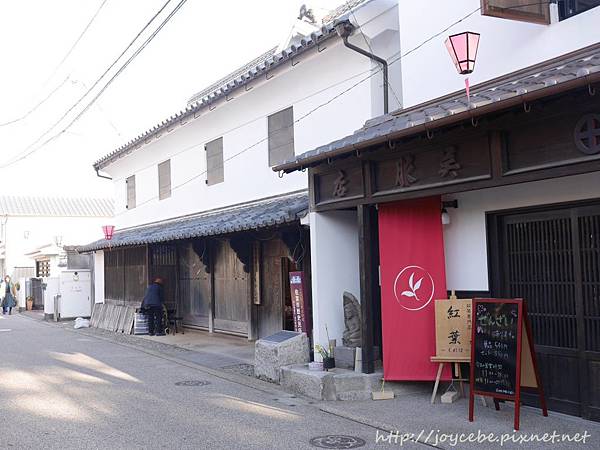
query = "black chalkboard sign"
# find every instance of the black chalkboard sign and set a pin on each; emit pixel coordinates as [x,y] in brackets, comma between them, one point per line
[502,354]
[495,335]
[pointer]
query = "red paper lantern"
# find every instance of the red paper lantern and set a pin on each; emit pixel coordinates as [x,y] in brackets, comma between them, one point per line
[463,50]
[108,231]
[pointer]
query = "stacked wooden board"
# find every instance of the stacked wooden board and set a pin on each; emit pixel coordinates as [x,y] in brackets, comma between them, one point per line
[117,318]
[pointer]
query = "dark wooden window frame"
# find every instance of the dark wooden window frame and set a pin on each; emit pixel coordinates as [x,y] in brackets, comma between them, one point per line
[42,268]
[497,275]
[120,268]
[492,220]
[563,6]
[493,9]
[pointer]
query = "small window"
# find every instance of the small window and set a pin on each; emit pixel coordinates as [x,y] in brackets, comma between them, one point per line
[42,268]
[570,8]
[523,10]
[214,162]
[281,136]
[130,182]
[164,179]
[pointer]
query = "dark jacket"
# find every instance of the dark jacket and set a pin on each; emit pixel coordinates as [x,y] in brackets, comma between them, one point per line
[154,296]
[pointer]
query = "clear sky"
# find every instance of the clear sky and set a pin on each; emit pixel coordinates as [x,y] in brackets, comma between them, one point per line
[204,41]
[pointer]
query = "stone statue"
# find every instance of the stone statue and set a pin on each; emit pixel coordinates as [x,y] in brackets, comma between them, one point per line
[352,336]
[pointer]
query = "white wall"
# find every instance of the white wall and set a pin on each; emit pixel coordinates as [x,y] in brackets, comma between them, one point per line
[99,277]
[25,234]
[52,289]
[314,81]
[334,261]
[505,46]
[465,238]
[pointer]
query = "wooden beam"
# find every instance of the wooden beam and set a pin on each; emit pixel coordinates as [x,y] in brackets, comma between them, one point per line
[369,283]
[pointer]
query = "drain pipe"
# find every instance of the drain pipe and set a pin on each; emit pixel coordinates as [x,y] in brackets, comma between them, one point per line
[344,30]
[102,176]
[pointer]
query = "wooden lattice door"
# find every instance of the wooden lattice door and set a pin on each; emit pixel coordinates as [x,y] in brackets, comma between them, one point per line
[552,259]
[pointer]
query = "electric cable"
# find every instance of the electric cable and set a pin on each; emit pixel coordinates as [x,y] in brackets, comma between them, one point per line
[32,110]
[28,150]
[85,29]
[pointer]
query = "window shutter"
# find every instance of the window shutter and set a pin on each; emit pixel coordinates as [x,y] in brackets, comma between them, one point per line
[214,162]
[130,192]
[523,10]
[281,136]
[164,179]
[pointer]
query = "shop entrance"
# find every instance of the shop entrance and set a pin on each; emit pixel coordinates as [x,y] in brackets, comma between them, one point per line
[551,258]
[275,311]
[232,290]
[194,284]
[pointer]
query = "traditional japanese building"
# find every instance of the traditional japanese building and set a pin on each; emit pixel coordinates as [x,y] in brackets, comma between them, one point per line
[196,200]
[497,196]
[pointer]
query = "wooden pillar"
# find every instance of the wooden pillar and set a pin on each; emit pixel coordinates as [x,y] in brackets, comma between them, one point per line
[368,253]
[255,291]
[211,264]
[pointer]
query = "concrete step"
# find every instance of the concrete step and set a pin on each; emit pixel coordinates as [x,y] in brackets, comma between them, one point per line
[342,384]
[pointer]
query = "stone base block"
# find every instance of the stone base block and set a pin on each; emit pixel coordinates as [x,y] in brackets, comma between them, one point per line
[270,356]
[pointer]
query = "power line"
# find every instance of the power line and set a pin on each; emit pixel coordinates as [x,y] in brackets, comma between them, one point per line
[32,110]
[28,113]
[30,148]
[86,28]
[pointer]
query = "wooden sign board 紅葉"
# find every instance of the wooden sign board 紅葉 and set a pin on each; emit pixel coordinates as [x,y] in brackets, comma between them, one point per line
[453,328]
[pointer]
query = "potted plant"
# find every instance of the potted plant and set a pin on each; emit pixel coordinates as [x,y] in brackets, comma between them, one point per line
[327,355]
[29,303]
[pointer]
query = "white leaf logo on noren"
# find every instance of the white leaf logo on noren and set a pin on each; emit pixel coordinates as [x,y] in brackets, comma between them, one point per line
[410,294]
[414,287]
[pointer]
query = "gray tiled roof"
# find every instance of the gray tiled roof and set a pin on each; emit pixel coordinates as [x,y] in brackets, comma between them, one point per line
[236,74]
[581,67]
[342,9]
[235,80]
[259,214]
[56,206]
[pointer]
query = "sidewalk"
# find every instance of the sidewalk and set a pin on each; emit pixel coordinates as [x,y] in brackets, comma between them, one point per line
[202,341]
[214,351]
[413,413]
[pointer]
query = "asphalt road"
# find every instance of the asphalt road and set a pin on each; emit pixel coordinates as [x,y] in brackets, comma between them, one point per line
[61,389]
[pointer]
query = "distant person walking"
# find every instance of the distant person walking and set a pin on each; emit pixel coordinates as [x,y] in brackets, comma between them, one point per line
[153,304]
[8,294]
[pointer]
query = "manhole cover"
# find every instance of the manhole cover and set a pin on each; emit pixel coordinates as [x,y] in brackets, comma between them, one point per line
[337,441]
[192,383]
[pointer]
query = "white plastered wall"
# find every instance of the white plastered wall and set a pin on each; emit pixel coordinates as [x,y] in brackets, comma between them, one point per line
[465,238]
[334,261]
[505,45]
[99,276]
